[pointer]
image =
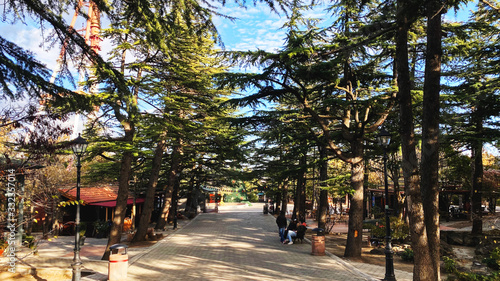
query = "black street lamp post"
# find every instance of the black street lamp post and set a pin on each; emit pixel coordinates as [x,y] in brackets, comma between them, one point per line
[384,138]
[79,145]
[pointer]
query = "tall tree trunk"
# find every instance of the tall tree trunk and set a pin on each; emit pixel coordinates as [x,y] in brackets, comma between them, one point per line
[295,200]
[192,194]
[147,208]
[301,189]
[115,233]
[355,228]
[430,133]
[323,194]
[366,199]
[172,216]
[422,260]
[477,178]
[172,175]
[127,121]
[284,196]
[277,201]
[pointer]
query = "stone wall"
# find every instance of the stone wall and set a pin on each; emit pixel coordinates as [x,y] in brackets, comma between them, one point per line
[484,243]
[462,238]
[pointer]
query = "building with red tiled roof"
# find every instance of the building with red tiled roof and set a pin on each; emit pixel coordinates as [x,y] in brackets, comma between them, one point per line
[98,196]
[98,204]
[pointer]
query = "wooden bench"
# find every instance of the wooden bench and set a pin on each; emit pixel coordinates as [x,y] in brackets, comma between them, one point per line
[301,232]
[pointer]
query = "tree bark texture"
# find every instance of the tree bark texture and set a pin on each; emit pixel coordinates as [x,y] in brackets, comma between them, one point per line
[284,196]
[295,211]
[301,188]
[323,194]
[172,175]
[147,208]
[422,260]
[355,228]
[278,201]
[115,233]
[430,134]
[175,202]
[477,181]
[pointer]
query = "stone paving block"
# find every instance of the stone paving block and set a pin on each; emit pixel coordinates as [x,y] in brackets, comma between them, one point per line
[235,246]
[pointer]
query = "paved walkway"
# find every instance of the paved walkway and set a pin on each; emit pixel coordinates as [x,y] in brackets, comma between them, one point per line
[235,245]
[238,243]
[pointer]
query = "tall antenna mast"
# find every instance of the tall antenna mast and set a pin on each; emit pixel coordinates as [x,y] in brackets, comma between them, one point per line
[91,33]
[93,27]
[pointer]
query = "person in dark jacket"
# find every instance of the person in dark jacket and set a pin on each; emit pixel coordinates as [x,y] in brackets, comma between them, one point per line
[281,222]
[291,232]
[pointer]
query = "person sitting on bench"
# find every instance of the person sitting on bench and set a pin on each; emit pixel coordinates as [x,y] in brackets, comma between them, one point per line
[291,231]
[301,233]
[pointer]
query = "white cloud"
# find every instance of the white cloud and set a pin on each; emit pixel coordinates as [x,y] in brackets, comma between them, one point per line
[256,27]
[31,38]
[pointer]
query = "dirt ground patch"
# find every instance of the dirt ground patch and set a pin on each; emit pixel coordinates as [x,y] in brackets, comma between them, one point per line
[41,275]
[335,244]
[56,274]
[141,244]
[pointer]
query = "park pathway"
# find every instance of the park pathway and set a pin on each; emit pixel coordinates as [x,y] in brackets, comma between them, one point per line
[238,243]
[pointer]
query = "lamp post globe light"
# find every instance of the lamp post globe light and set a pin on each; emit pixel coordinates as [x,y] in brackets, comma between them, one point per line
[384,138]
[79,146]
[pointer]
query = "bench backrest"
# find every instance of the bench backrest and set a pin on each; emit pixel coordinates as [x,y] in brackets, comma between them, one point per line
[301,231]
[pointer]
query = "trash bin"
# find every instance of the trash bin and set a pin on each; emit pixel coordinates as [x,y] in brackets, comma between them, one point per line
[118,263]
[318,242]
[266,209]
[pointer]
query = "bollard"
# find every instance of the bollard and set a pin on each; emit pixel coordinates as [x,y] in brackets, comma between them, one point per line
[118,263]
[318,243]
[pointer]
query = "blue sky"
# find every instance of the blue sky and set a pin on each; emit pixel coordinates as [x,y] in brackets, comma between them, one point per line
[256,27]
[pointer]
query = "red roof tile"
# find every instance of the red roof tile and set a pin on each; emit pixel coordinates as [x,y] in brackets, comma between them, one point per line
[92,195]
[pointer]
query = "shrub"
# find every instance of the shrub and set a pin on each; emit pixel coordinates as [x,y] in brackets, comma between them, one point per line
[377,212]
[101,228]
[378,230]
[469,276]
[493,261]
[407,255]
[456,275]
[450,265]
[400,229]
[252,196]
[30,242]
[3,244]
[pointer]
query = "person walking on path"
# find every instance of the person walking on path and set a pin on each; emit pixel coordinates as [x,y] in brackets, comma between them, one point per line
[281,222]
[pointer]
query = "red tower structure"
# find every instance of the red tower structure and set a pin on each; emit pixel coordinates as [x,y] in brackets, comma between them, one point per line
[93,26]
[91,31]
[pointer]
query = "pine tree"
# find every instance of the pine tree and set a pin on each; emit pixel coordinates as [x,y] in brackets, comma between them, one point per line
[473,102]
[332,91]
